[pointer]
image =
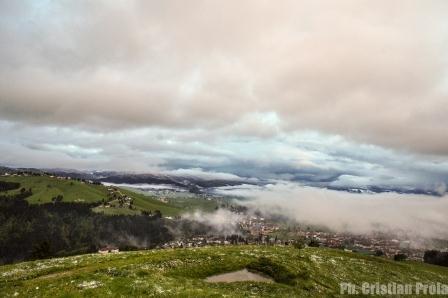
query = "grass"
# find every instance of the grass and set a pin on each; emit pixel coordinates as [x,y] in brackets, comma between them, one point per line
[310,272]
[44,188]
[185,201]
[174,207]
[194,203]
[116,211]
[144,202]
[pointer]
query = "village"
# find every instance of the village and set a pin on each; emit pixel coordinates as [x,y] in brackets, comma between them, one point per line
[116,199]
[256,230]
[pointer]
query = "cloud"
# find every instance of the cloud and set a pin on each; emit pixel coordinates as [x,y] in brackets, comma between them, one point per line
[222,221]
[201,174]
[350,94]
[308,158]
[414,215]
[374,72]
[69,149]
[326,94]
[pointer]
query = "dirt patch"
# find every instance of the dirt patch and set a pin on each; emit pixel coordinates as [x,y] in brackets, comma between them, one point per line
[241,275]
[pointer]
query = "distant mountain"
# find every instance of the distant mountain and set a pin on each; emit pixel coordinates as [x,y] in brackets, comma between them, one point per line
[192,184]
[195,184]
[379,189]
[188,182]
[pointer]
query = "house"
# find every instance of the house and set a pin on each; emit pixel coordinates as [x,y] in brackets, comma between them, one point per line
[108,249]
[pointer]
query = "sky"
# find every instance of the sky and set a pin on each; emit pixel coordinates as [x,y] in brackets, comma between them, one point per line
[343,94]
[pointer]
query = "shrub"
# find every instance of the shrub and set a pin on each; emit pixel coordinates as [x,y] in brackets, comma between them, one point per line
[299,244]
[400,257]
[436,257]
[5,186]
[314,243]
[379,253]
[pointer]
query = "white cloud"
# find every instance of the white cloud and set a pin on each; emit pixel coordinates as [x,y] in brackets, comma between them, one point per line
[312,158]
[374,71]
[205,175]
[222,220]
[418,216]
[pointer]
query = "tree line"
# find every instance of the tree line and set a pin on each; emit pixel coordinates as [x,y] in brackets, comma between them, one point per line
[29,231]
[5,185]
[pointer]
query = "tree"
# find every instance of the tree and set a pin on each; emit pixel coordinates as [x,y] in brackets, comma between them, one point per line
[379,253]
[400,257]
[57,199]
[41,250]
[314,243]
[146,213]
[436,257]
[157,214]
[299,244]
[5,186]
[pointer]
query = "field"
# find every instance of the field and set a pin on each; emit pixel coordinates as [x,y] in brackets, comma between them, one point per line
[44,188]
[309,272]
[142,202]
[185,201]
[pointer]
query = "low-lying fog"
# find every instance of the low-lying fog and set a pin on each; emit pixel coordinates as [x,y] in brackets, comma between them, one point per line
[147,187]
[416,215]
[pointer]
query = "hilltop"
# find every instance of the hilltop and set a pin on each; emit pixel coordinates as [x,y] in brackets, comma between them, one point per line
[44,216]
[181,272]
[45,187]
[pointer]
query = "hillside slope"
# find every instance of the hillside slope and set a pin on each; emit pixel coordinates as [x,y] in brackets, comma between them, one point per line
[141,202]
[313,272]
[44,188]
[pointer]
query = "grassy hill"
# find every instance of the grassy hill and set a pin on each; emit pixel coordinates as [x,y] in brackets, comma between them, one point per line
[185,201]
[142,202]
[44,188]
[312,272]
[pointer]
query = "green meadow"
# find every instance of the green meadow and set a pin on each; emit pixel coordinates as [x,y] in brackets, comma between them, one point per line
[142,202]
[44,188]
[309,272]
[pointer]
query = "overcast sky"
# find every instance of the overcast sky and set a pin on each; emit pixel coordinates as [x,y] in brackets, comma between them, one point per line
[348,93]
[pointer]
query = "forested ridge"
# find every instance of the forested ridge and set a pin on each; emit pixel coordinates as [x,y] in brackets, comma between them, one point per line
[32,231]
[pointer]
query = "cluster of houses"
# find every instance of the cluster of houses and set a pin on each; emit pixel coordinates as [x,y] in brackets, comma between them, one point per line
[370,244]
[108,249]
[257,226]
[258,230]
[163,199]
[261,230]
[117,199]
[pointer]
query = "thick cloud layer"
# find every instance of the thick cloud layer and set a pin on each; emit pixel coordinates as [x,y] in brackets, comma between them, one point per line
[416,216]
[373,71]
[310,158]
[350,94]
